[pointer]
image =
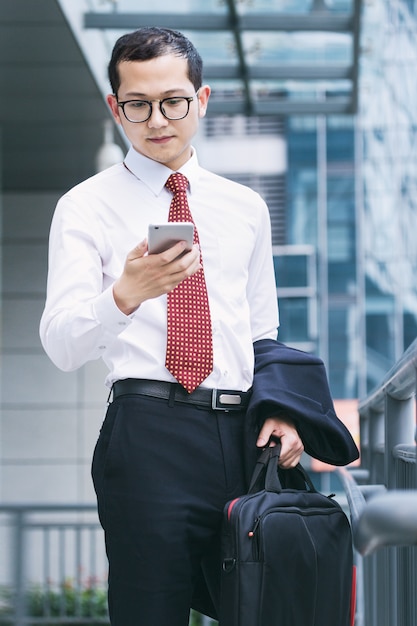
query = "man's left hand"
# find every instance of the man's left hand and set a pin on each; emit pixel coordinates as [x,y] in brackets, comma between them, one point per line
[291,444]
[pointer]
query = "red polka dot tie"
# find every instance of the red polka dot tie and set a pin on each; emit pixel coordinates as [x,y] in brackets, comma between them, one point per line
[189,355]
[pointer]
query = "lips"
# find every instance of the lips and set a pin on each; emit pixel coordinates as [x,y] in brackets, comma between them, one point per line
[160,140]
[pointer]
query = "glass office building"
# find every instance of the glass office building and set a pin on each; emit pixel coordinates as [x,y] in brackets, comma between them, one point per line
[351,196]
[388,124]
[320,204]
[344,209]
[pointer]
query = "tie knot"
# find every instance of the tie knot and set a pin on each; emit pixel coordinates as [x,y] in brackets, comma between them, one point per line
[177,182]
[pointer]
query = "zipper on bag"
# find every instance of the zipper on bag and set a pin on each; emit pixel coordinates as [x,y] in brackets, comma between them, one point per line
[254,537]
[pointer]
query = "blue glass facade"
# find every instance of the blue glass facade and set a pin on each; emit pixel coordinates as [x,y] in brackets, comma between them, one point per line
[388,125]
[351,195]
[321,213]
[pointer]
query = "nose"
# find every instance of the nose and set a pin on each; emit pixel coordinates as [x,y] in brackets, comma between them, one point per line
[157,120]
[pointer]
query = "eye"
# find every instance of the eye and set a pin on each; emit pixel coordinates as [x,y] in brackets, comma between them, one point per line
[137,104]
[172,102]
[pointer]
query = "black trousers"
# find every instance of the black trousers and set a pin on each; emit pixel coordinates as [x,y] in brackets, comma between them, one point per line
[162,475]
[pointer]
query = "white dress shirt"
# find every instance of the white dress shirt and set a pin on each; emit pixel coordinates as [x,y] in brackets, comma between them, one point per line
[99,221]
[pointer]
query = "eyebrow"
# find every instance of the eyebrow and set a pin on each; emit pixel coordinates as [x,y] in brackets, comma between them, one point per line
[167,93]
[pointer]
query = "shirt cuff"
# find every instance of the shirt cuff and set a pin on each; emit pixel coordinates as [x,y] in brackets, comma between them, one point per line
[109,315]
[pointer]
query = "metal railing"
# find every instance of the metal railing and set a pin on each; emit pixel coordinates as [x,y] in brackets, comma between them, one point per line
[382,498]
[53,567]
[53,563]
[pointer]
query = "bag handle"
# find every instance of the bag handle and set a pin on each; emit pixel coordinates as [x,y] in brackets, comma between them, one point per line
[267,475]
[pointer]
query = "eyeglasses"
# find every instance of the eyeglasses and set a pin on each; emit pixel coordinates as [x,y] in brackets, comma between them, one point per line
[173,108]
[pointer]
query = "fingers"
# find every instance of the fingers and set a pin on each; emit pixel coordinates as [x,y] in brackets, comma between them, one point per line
[173,266]
[163,258]
[291,444]
[176,251]
[147,276]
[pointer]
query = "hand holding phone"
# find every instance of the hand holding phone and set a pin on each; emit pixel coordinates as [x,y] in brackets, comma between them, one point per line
[161,237]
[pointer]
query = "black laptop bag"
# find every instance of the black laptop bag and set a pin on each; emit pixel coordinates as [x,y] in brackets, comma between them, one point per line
[287,553]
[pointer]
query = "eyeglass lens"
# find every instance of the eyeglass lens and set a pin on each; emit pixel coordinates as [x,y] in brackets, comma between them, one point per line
[172,108]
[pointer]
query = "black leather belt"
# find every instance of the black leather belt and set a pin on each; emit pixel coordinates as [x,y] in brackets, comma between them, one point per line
[216,399]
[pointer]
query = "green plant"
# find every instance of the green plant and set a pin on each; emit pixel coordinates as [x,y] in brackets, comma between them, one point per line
[79,606]
[68,601]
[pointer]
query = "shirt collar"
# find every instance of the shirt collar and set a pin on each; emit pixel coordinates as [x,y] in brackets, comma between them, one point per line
[154,175]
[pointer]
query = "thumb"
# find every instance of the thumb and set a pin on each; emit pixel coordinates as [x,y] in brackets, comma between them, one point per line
[138,251]
[263,438]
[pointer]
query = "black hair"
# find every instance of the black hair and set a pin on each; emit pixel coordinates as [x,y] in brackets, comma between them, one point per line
[151,42]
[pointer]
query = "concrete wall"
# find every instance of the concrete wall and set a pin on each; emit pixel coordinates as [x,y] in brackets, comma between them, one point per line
[49,420]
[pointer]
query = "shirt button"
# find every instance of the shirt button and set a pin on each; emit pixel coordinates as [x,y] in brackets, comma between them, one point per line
[122,323]
[102,347]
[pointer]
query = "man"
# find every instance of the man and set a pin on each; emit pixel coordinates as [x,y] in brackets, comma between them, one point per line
[167,459]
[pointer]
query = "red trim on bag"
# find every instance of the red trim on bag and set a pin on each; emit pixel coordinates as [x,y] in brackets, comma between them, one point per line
[230,507]
[353,598]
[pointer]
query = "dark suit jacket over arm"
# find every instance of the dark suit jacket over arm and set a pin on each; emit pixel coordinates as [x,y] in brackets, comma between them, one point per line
[294,383]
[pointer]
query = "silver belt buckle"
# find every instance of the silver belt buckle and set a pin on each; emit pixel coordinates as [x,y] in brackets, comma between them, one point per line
[223,401]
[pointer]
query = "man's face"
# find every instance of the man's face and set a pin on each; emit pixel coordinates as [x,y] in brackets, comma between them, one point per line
[165,141]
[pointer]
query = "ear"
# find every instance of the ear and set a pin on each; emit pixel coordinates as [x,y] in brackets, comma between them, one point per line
[114,107]
[203,98]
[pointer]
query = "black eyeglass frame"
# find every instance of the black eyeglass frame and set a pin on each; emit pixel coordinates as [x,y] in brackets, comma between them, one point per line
[188,99]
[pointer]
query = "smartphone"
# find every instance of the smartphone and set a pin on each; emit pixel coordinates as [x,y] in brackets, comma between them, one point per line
[164,236]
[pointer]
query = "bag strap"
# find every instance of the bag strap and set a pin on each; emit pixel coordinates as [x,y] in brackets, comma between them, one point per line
[257,482]
[267,475]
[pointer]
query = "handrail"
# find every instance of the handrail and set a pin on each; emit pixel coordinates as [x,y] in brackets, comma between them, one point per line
[357,498]
[382,498]
[389,519]
[385,519]
[33,507]
[399,383]
[382,518]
